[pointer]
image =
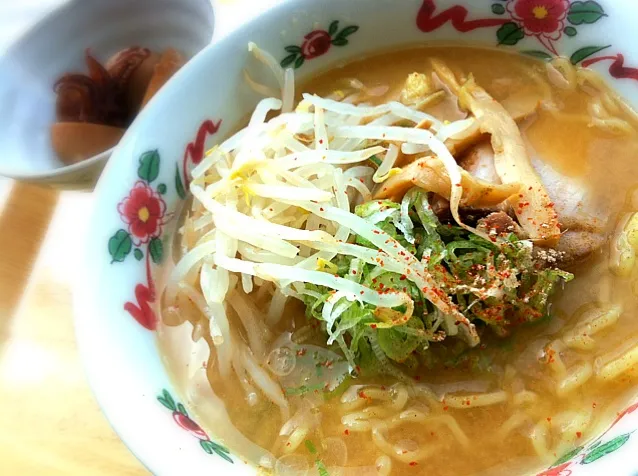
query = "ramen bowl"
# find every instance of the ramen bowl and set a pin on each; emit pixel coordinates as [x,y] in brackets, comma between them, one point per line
[126,257]
[56,46]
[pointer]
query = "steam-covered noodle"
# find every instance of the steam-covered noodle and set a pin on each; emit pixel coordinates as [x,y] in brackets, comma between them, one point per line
[373,274]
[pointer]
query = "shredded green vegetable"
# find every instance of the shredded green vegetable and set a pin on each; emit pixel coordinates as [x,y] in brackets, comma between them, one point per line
[321,467]
[375,160]
[496,285]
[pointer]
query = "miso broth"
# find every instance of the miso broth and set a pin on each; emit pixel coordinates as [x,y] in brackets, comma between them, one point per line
[515,403]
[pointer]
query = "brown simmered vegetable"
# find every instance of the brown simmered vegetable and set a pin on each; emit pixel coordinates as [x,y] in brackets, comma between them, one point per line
[169,63]
[123,64]
[139,82]
[132,69]
[77,141]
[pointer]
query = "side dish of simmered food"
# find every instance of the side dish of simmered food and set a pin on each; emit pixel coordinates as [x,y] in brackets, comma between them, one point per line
[93,110]
[418,263]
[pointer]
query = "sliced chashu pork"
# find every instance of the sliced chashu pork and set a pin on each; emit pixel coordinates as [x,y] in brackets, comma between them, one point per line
[582,221]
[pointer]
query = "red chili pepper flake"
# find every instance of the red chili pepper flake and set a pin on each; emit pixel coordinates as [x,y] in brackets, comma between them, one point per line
[354,271]
[346,432]
[413,463]
[373,326]
[362,394]
[579,434]
[361,292]
[403,277]
[321,141]
[549,419]
[445,408]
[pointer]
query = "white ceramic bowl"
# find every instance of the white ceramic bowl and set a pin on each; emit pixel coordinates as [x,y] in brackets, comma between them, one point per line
[56,46]
[116,294]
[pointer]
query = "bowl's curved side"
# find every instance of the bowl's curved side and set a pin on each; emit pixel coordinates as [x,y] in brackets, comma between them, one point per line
[56,46]
[116,292]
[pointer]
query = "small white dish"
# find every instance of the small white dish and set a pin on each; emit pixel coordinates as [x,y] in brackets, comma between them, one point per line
[55,46]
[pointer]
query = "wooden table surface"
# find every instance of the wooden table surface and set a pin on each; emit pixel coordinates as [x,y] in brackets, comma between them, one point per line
[50,424]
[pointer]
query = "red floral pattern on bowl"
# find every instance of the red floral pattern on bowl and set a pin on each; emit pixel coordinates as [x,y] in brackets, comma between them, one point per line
[540,17]
[180,416]
[546,20]
[317,43]
[143,210]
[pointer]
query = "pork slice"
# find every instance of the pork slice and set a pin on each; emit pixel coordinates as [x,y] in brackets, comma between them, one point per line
[479,161]
[576,207]
[583,221]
